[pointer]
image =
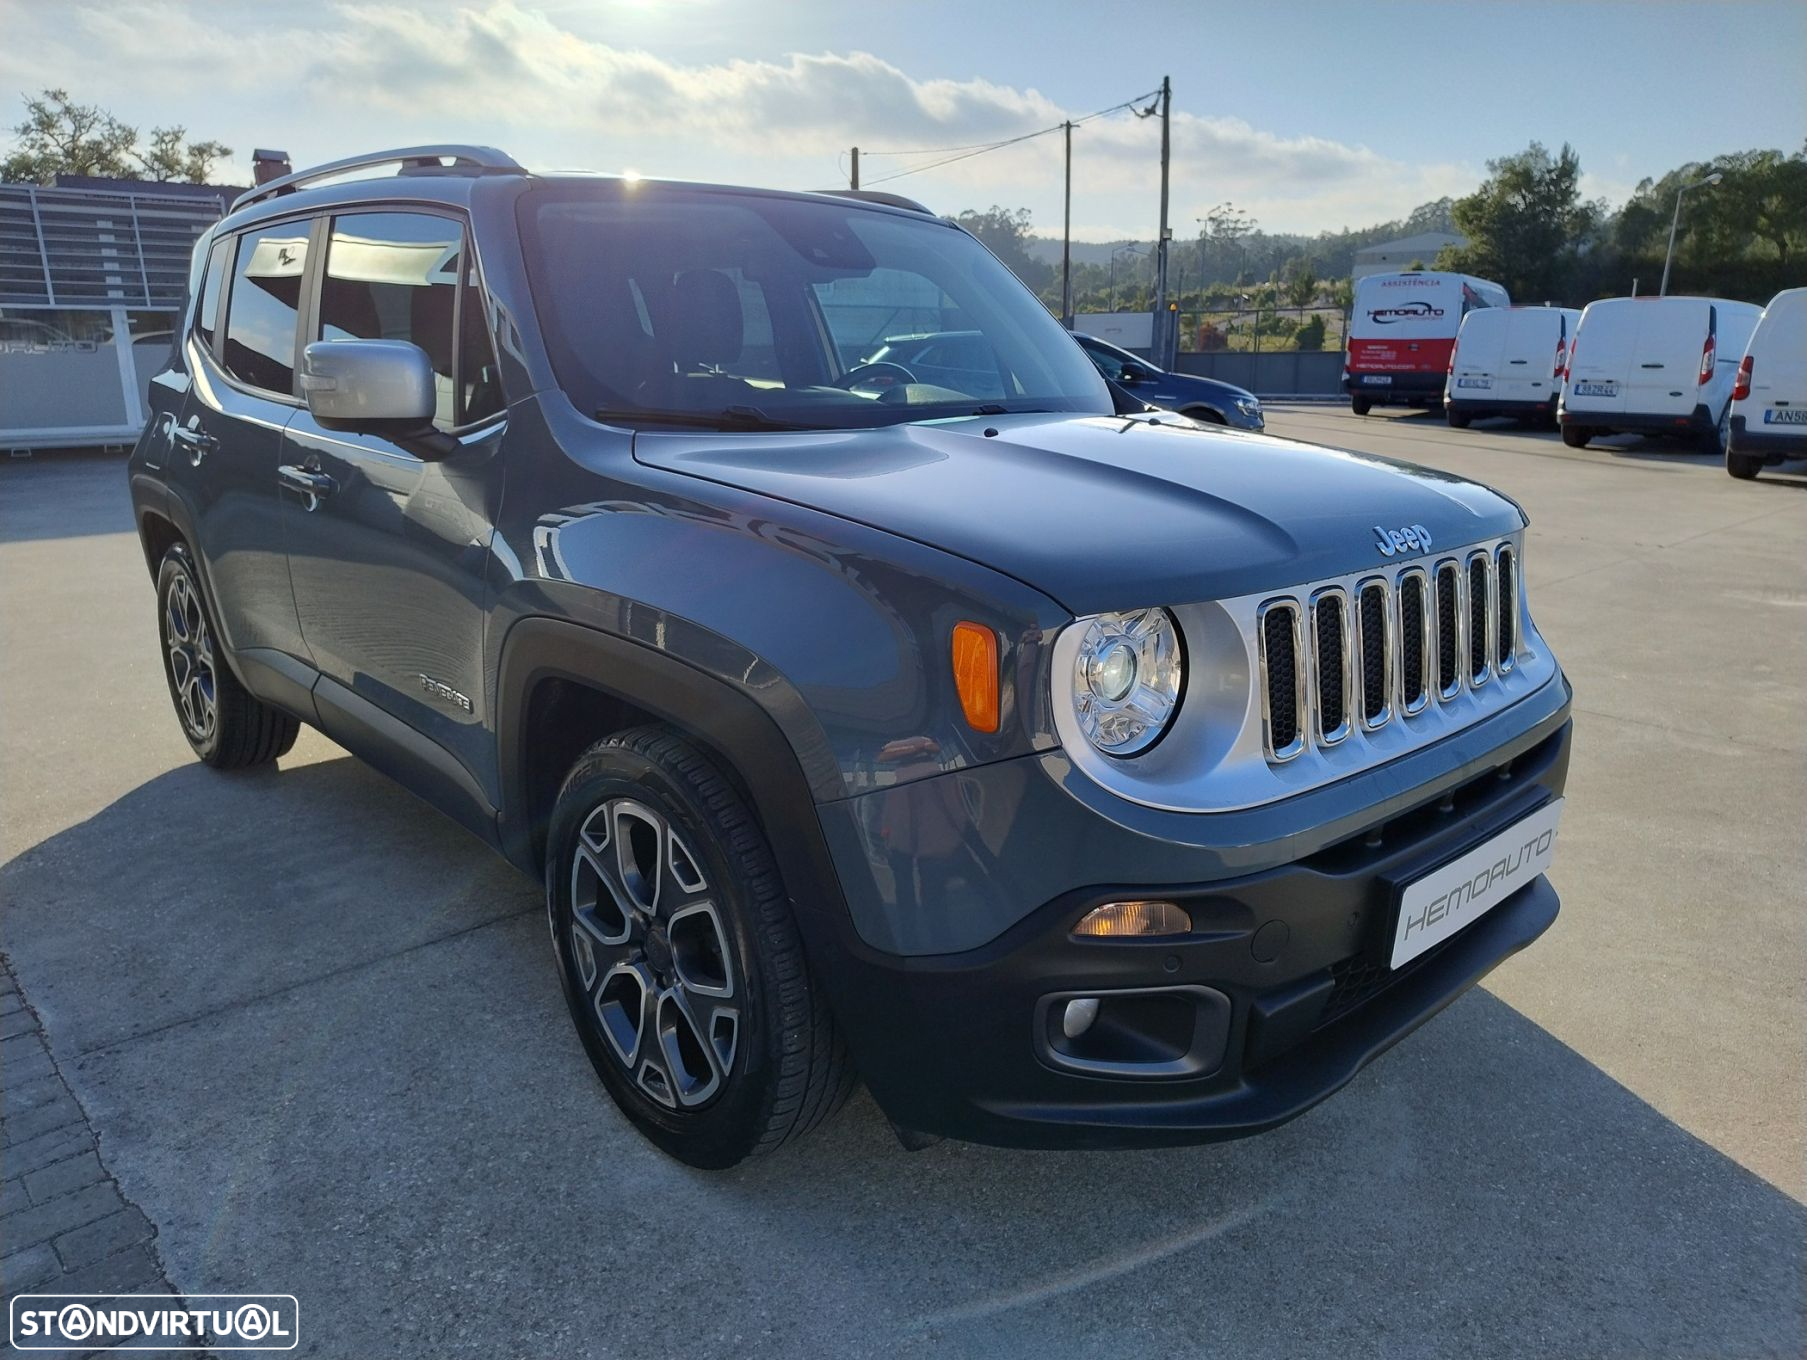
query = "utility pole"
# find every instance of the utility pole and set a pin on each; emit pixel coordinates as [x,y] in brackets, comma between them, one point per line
[856,169]
[1164,328]
[1066,241]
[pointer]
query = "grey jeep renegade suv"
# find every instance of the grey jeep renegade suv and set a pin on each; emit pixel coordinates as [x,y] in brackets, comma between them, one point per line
[1073,774]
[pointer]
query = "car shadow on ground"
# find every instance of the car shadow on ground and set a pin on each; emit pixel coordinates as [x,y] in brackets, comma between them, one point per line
[317,1028]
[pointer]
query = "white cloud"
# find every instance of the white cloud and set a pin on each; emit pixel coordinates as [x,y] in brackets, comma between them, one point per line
[392,72]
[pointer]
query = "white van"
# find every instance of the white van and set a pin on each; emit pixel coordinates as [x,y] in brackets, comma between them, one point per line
[1509,361]
[1767,420]
[1401,334]
[1654,365]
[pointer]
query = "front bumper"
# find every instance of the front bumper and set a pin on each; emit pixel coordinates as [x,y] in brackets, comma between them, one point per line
[1292,956]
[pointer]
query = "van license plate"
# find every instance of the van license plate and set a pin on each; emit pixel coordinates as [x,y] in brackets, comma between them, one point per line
[1461,892]
[1791,416]
[1377,379]
[1596,389]
[1485,384]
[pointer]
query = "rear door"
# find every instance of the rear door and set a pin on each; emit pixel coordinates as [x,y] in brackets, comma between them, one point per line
[226,443]
[1405,323]
[389,540]
[1600,357]
[1480,356]
[1663,375]
[1528,354]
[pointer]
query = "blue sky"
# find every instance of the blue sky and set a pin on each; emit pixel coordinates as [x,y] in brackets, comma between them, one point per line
[1307,115]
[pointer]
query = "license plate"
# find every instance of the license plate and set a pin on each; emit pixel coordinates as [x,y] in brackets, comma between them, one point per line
[1596,389]
[1482,383]
[1434,907]
[1788,417]
[1377,379]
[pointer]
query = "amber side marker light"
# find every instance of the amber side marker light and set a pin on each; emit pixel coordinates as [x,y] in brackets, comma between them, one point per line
[975,655]
[1133,920]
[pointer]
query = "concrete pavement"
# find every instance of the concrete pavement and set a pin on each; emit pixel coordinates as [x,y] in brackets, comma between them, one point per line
[316,1030]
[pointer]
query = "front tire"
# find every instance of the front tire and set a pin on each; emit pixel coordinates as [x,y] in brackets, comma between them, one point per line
[679,958]
[226,725]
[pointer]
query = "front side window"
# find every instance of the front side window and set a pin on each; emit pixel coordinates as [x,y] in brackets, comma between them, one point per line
[745,309]
[394,276]
[1117,364]
[261,307]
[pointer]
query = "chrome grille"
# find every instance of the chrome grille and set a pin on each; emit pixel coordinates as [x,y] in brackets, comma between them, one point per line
[1282,694]
[1374,645]
[1336,660]
[1449,630]
[1415,648]
[1480,617]
[1507,594]
[1330,656]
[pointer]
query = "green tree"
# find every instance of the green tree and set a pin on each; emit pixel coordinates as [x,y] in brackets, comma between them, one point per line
[1302,285]
[1005,233]
[1525,224]
[60,137]
[1311,334]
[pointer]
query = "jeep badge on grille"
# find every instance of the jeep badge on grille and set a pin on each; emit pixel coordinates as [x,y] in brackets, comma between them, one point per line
[1414,537]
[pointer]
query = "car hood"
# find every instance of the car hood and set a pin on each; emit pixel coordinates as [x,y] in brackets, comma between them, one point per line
[1104,513]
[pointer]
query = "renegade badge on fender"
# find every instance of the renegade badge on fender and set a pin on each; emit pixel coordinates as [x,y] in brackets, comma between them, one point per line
[1074,775]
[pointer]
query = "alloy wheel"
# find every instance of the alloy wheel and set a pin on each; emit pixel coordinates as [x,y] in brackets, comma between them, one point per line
[651,955]
[190,645]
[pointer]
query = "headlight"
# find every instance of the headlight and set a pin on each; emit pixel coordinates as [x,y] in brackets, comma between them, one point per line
[1127,678]
[1249,406]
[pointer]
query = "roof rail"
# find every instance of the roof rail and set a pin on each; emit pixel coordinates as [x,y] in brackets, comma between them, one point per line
[476,160]
[878,196]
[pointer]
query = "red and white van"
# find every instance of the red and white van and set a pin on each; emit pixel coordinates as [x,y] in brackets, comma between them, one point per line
[1403,331]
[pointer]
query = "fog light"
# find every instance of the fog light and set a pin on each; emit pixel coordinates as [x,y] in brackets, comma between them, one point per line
[1078,1016]
[1118,920]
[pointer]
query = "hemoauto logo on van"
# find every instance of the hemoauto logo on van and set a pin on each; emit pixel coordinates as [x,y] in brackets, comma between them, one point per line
[1410,311]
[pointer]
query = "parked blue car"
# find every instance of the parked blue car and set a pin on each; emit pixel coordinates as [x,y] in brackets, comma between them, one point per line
[1206,399]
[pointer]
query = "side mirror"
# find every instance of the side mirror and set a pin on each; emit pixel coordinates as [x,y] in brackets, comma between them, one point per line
[384,386]
[1129,375]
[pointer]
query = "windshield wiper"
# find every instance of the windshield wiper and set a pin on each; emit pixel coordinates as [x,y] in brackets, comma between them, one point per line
[728,418]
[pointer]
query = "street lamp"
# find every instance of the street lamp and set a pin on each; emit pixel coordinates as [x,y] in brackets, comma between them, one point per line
[1674,222]
[1120,250]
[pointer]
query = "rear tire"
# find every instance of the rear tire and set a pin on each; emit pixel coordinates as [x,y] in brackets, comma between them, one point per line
[1360,405]
[1576,436]
[1458,420]
[679,957]
[226,725]
[1743,466]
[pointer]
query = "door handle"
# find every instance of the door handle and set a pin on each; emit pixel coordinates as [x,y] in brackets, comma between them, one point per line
[198,442]
[312,486]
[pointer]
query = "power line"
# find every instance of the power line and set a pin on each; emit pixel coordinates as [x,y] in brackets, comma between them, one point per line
[981,148]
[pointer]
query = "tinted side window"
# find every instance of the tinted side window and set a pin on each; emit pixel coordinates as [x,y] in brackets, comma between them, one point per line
[394,276]
[260,311]
[207,315]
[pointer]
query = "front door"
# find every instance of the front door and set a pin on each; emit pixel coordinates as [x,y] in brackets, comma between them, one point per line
[389,544]
[226,442]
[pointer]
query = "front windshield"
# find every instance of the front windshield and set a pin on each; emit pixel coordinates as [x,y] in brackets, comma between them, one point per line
[741,309]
